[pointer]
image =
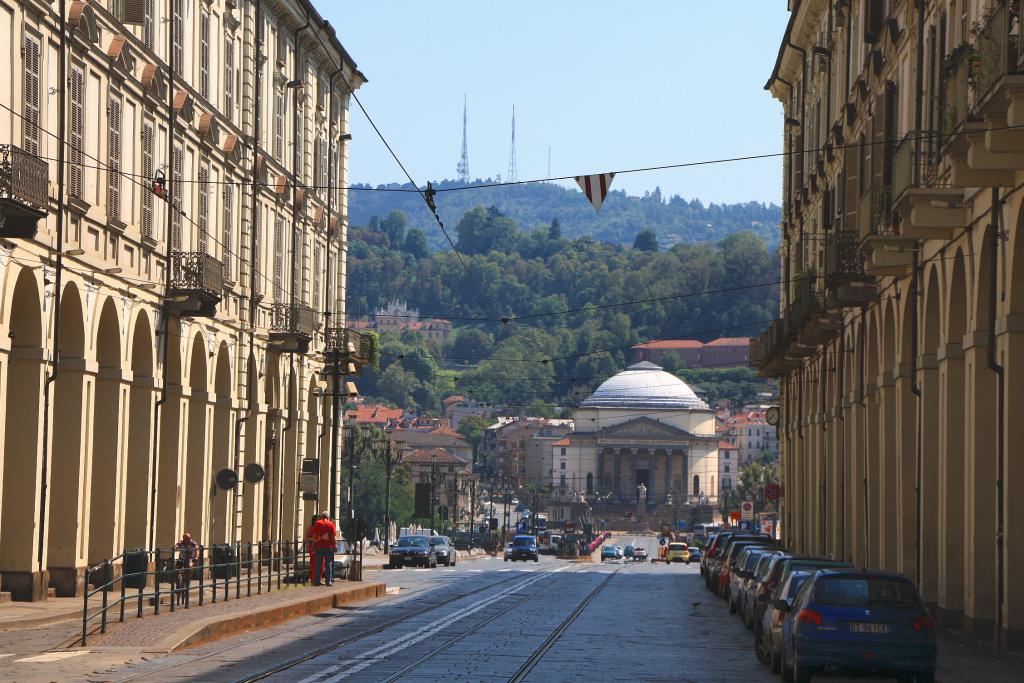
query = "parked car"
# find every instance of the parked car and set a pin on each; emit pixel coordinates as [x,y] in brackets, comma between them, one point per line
[729,562]
[695,553]
[629,551]
[523,548]
[677,552]
[342,562]
[751,583]
[443,549]
[413,550]
[610,552]
[744,570]
[777,574]
[857,622]
[508,551]
[771,623]
[640,553]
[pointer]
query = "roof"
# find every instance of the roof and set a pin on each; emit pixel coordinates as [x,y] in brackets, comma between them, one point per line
[671,344]
[373,414]
[562,442]
[730,341]
[644,385]
[454,399]
[428,455]
[726,446]
[415,438]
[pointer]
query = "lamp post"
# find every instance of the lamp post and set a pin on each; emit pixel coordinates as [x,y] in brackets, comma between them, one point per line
[433,481]
[392,455]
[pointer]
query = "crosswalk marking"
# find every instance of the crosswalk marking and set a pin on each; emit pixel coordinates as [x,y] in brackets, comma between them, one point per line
[51,657]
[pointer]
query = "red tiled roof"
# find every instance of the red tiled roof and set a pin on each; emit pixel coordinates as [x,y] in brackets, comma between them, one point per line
[446,430]
[426,455]
[454,399]
[726,446]
[562,442]
[730,341]
[671,344]
[374,414]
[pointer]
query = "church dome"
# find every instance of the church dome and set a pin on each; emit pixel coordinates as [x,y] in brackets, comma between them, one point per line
[644,385]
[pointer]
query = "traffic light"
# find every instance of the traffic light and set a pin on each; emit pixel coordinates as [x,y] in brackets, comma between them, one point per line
[422,499]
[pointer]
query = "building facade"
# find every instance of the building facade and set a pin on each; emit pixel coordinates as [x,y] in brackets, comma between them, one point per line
[452,477]
[173,242]
[899,346]
[724,352]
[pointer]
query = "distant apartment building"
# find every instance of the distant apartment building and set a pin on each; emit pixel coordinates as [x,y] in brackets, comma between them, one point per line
[397,317]
[751,434]
[728,465]
[517,447]
[720,353]
[452,477]
[375,415]
[457,408]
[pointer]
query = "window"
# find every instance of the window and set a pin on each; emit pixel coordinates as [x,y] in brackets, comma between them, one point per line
[77,130]
[726,455]
[147,25]
[31,119]
[561,465]
[229,226]
[147,174]
[726,468]
[177,37]
[229,77]
[204,55]
[279,259]
[561,481]
[204,207]
[114,157]
[317,258]
[177,173]
[279,113]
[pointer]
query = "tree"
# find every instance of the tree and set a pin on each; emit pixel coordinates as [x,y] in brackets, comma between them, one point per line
[484,230]
[646,240]
[416,244]
[555,230]
[394,227]
[471,344]
[472,429]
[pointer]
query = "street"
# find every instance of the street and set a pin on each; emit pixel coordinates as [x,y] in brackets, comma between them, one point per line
[478,621]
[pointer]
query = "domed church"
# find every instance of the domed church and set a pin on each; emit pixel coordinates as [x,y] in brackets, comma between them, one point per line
[643,426]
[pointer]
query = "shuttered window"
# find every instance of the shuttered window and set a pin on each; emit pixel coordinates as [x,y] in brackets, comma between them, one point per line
[279,259]
[147,25]
[229,77]
[114,157]
[204,55]
[318,258]
[176,178]
[204,208]
[299,242]
[31,119]
[256,254]
[177,39]
[147,173]
[229,227]
[77,131]
[279,124]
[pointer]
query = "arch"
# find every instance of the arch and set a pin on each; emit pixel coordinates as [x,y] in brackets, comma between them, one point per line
[106,493]
[197,469]
[696,486]
[23,367]
[285,510]
[221,445]
[138,468]
[169,467]
[1015,266]
[70,468]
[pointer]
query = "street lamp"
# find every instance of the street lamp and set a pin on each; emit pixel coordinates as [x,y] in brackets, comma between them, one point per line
[392,455]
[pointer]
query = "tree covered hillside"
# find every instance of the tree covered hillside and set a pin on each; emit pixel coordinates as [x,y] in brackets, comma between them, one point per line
[674,220]
[539,316]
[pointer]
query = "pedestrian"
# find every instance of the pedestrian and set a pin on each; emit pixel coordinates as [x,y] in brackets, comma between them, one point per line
[311,545]
[325,535]
[187,552]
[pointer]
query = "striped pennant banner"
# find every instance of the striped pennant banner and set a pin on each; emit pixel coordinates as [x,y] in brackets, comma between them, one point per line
[595,187]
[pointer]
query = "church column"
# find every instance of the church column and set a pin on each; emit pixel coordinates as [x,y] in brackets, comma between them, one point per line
[652,474]
[634,457]
[617,472]
[669,454]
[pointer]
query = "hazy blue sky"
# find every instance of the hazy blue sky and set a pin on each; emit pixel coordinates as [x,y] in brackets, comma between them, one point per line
[606,85]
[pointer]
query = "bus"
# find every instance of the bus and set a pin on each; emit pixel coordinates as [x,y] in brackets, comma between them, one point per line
[541,520]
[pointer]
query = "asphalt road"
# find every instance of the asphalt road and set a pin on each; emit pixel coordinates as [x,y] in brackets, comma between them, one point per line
[490,620]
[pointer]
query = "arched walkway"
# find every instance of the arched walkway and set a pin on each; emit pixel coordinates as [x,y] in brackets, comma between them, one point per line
[928,379]
[139,477]
[23,387]
[67,517]
[107,493]
[289,445]
[220,506]
[197,481]
[170,468]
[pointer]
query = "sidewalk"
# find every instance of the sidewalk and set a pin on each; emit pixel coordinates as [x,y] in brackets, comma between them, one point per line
[963,662]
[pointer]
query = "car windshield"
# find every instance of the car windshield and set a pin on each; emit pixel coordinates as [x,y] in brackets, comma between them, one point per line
[795,582]
[523,540]
[438,540]
[413,542]
[752,559]
[677,546]
[863,592]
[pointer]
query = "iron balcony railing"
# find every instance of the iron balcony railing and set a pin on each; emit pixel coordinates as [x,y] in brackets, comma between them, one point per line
[958,90]
[342,339]
[762,347]
[293,319]
[999,49]
[806,299]
[23,177]
[842,258]
[196,271]
[913,162]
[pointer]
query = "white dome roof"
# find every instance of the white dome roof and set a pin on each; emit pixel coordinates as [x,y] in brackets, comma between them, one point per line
[644,385]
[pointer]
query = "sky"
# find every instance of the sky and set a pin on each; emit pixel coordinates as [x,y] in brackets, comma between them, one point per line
[605,86]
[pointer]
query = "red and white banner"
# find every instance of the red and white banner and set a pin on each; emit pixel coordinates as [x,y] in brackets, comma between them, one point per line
[595,187]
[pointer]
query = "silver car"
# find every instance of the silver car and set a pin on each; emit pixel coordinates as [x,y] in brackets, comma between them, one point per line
[443,550]
[771,623]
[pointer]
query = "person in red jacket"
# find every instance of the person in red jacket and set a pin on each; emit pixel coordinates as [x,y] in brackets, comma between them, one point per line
[311,546]
[324,538]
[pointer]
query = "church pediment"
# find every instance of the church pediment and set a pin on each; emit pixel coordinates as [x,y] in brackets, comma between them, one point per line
[644,428]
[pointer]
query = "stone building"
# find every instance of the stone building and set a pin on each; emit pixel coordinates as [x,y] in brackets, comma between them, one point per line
[452,475]
[166,272]
[641,426]
[899,346]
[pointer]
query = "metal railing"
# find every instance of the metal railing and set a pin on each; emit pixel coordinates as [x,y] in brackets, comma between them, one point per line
[999,50]
[342,339]
[23,177]
[958,90]
[806,299]
[842,258]
[866,214]
[196,271]
[293,319]
[215,572]
[913,162]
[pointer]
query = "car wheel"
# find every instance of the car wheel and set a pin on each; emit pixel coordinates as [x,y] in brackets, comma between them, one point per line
[396,565]
[776,662]
[802,674]
[506,559]
[787,670]
[536,559]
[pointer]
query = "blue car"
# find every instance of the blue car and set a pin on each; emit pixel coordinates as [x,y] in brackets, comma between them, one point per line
[694,553]
[611,552]
[850,621]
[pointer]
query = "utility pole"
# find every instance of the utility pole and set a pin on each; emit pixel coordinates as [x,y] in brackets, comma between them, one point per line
[472,511]
[433,470]
[392,456]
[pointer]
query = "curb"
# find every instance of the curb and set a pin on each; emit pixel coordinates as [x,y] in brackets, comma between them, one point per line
[214,628]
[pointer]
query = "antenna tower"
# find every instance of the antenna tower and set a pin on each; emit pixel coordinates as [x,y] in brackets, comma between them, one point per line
[512,174]
[463,167]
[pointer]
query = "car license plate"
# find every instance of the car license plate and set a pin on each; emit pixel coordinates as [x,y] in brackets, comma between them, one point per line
[857,627]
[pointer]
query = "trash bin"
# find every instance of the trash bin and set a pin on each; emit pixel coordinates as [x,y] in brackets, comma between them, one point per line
[136,564]
[355,570]
[223,562]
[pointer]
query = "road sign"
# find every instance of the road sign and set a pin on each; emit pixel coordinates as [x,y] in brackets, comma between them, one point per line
[570,525]
[772,491]
[662,540]
[747,510]
[767,525]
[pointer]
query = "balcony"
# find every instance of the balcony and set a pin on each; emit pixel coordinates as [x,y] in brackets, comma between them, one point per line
[929,207]
[768,351]
[815,322]
[1000,59]
[292,327]
[197,283]
[357,348]
[845,278]
[958,93]
[23,192]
